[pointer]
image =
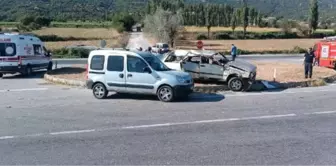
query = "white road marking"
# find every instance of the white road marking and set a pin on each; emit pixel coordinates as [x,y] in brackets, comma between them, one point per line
[320,113]
[22,90]
[163,125]
[274,93]
[72,132]
[209,121]
[7,137]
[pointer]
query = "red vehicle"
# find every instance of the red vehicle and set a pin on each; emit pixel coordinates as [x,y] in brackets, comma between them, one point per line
[325,52]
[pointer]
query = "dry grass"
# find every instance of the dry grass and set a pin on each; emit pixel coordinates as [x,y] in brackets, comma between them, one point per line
[249,29]
[58,45]
[101,33]
[118,42]
[286,72]
[250,45]
[216,29]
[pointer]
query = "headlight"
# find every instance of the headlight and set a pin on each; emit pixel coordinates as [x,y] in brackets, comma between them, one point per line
[180,79]
[252,74]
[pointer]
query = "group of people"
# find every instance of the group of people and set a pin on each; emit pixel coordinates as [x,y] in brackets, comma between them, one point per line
[149,49]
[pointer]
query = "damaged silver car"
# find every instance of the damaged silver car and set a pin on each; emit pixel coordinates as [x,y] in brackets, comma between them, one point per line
[210,65]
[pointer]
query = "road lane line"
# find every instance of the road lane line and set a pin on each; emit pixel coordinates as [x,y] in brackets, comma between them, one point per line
[7,137]
[271,93]
[209,121]
[22,90]
[320,113]
[72,132]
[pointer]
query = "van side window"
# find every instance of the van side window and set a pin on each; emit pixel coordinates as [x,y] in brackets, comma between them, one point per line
[135,64]
[115,63]
[97,62]
[37,49]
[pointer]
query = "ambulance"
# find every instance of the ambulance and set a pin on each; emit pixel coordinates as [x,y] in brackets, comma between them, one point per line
[325,52]
[22,53]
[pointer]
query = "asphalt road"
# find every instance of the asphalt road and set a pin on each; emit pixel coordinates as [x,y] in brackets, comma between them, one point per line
[51,124]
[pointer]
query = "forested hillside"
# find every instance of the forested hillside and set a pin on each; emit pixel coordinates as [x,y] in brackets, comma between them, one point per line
[61,10]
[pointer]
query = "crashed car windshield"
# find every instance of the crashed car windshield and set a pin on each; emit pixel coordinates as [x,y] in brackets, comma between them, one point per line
[156,64]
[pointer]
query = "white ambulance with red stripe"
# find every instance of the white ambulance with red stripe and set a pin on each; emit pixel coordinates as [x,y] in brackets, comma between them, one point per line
[22,53]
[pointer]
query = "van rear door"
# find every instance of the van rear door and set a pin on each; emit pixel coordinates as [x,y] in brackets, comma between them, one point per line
[7,56]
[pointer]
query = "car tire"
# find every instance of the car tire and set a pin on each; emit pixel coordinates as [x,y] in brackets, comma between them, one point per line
[28,71]
[99,91]
[236,84]
[166,94]
[50,66]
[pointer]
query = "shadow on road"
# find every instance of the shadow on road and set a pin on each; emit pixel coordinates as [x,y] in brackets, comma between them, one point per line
[195,97]
[36,75]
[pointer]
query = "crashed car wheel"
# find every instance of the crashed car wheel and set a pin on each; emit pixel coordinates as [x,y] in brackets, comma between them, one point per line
[236,84]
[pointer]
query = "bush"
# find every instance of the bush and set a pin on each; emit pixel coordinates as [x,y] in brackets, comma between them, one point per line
[55,38]
[298,50]
[201,37]
[71,53]
[223,36]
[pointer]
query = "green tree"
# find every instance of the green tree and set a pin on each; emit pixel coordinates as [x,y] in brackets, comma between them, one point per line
[234,20]
[245,19]
[313,16]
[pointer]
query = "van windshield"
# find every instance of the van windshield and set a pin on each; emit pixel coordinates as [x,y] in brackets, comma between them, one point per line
[7,49]
[156,64]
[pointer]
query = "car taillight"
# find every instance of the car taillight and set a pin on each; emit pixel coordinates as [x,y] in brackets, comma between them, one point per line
[20,61]
[87,71]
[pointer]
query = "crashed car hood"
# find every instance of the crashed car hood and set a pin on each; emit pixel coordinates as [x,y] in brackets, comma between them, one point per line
[176,73]
[243,65]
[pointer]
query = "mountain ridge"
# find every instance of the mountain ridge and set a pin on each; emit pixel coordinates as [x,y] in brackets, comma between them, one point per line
[12,10]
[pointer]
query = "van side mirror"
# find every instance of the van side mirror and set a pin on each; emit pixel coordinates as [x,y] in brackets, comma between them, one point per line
[48,54]
[147,70]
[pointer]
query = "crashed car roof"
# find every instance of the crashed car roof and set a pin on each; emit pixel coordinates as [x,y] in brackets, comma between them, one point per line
[194,52]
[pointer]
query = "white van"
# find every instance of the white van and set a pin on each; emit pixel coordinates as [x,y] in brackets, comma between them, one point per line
[135,72]
[20,53]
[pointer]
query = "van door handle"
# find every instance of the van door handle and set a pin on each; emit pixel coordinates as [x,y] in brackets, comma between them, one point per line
[121,75]
[129,75]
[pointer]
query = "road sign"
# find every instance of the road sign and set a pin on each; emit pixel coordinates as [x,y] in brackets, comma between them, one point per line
[199,44]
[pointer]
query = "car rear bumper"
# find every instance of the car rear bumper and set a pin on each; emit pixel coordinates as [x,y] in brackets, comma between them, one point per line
[10,69]
[183,90]
[89,84]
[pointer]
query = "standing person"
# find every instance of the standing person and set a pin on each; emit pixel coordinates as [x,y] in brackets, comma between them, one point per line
[308,63]
[233,52]
[149,49]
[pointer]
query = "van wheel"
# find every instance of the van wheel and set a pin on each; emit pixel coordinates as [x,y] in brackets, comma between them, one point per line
[1,75]
[236,84]
[28,70]
[50,66]
[165,94]
[99,91]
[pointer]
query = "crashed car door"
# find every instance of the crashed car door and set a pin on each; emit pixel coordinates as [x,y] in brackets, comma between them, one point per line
[191,67]
[211,71]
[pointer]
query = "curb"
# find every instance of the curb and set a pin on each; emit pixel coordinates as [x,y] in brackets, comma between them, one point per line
[309,83]
[63,81]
